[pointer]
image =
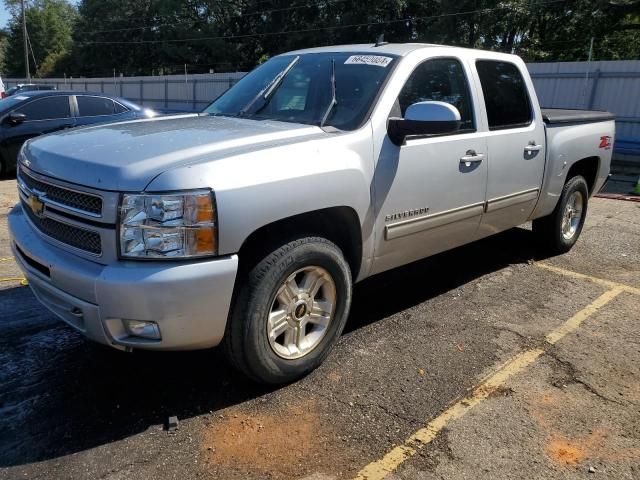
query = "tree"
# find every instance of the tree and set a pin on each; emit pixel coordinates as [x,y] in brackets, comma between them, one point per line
[147,36]
[161,36]
[50,25]
[4,42]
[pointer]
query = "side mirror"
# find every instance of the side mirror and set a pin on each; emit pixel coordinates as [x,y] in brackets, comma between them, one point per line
[424,118]
[16,118]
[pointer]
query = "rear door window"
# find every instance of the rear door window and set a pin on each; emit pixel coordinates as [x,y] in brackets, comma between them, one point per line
[119,108]
[48,108]
[94,106]
[505,94]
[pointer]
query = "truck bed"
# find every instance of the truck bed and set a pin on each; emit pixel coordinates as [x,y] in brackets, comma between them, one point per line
[559,115]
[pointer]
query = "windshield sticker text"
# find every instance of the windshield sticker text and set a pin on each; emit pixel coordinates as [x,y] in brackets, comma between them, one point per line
[377,60]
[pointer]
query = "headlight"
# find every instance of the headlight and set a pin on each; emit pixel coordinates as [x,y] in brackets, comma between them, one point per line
[176,225]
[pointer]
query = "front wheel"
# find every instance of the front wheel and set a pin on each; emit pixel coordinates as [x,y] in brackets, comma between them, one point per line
[290,310]
[560,230]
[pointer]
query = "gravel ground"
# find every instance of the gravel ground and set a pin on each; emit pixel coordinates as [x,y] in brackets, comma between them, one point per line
[418,339]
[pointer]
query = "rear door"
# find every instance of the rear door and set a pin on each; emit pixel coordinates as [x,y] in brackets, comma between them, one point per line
[430,191]
[516,144]
[43,115]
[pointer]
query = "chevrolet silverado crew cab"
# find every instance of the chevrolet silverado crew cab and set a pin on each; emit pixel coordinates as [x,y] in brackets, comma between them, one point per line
[246,225]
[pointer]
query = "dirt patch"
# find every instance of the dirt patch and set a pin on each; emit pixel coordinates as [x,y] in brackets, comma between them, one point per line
[561,448]
[566,451]
[501,391]
[289,443]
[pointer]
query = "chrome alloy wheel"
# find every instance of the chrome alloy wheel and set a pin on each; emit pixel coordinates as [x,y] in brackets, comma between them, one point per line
[301,312]
[572,215]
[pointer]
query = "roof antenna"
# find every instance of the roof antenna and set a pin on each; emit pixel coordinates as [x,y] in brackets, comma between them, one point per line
[380,41]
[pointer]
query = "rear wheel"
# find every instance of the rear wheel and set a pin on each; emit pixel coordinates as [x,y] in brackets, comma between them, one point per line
[290,310]
[560,230]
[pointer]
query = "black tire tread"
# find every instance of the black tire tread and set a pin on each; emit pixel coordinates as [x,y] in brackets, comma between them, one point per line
[246,292]
[547,229]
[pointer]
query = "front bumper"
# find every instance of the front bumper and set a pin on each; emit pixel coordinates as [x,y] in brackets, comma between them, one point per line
[188,300]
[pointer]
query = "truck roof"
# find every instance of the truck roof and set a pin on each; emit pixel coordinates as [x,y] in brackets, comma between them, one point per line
[399,49]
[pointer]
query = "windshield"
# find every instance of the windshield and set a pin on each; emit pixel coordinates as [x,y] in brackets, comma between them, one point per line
[300,89]
[8,103]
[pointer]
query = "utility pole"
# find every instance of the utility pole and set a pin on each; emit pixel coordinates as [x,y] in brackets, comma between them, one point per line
[26,47]
[586,75]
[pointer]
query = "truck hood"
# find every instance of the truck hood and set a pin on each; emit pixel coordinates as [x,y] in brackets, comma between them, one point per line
[126,156]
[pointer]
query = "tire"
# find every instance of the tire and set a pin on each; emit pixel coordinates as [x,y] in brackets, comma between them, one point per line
[276,333]
[555,234]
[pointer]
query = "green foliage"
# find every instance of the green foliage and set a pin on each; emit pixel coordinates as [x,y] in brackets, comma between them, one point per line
[4,43]
[50,25]
[161,36]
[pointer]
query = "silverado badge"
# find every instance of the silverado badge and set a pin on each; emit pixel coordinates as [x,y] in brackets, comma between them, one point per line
[406,214]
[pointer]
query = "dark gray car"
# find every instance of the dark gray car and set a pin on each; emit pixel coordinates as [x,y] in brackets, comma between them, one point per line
[34,113]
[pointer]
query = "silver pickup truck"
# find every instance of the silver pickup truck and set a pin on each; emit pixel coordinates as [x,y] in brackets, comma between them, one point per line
[247,224]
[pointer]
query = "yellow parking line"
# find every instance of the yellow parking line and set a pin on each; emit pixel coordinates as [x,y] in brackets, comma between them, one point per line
[379,469]
[582,276]
[574,322]
[7,259]
[12,279]
[392,460]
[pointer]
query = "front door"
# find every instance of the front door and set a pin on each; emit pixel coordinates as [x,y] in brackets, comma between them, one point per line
[430,192]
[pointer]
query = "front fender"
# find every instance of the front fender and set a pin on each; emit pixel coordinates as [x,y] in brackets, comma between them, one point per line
[256,188]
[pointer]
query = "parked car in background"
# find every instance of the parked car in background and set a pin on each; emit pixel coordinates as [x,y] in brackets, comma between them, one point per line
[27,87]
[34,113]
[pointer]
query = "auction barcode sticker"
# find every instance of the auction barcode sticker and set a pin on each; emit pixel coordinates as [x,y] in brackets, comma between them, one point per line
[377,60]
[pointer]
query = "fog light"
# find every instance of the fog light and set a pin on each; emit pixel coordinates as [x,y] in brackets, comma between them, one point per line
[140,328]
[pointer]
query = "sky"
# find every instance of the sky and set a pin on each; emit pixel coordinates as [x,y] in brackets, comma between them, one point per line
[4,12]
[4,15]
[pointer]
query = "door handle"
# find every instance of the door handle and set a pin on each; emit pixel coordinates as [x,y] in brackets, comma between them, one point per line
[532,147]
[471,157]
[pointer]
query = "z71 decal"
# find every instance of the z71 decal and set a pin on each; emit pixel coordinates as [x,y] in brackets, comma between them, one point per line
[605,142]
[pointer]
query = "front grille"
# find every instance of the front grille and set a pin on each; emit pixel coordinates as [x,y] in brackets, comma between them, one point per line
[70,198]
[76,237]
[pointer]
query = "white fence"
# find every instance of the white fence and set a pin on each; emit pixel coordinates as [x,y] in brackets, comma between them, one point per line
[176,92]
[613,86]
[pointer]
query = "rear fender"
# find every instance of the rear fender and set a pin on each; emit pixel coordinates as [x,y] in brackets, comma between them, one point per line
[567,145]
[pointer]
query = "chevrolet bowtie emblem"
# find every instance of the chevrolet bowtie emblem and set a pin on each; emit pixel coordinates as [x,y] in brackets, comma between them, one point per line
[36,205]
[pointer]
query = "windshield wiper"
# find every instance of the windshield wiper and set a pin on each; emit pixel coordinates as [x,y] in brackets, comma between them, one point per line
[334,100]
[267,91]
